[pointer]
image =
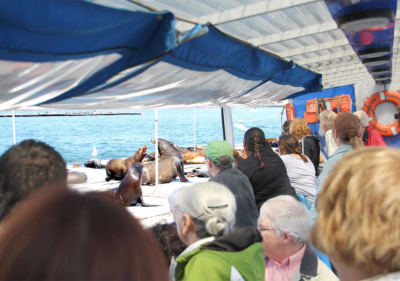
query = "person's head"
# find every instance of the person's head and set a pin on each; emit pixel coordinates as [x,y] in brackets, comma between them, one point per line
[219,155]
[203,210]
[286,126]
[168,240]
[284,223]
[58,234]
[347,130]
[288,144]
[326,118]
[299,128]
[358,207]
[363,117]
[254,139]
[27,167]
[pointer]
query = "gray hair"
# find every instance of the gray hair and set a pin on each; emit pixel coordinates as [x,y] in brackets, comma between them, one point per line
[226,160]
[211,205]
[327,116]
[288,216]
[363,117]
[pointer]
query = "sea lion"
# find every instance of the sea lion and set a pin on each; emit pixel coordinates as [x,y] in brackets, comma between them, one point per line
[76,177]
[197,160]
[238,156]
[170,165]
[130,189]
[188,155]
[93,163]
[200,147]
[117,168]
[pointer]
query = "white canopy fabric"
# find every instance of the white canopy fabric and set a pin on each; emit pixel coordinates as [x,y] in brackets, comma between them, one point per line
[298,30]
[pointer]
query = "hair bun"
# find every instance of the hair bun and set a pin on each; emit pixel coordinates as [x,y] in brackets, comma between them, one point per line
[216,226]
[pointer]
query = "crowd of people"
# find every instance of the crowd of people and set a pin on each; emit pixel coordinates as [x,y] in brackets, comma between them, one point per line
[272,217]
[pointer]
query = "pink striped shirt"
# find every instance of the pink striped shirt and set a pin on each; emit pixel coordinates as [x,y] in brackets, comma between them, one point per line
[285,270]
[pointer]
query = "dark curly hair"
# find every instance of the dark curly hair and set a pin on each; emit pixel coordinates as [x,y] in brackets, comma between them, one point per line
[168,239]
[25,168]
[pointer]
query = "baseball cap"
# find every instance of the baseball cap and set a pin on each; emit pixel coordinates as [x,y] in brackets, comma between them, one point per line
[218,148]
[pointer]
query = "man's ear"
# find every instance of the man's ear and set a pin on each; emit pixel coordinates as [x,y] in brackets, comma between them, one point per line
[286,238]
[187,224]
[244,143]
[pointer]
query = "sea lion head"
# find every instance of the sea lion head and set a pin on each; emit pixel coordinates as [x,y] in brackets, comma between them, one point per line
[164,146]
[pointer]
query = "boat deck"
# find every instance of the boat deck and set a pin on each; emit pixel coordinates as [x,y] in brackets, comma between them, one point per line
[147,216]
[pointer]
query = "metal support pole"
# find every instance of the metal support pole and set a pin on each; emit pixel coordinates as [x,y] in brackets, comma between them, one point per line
[194,128]
[13,121]
[156,151]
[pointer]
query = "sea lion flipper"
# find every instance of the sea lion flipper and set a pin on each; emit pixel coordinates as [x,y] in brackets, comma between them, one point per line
[183,179]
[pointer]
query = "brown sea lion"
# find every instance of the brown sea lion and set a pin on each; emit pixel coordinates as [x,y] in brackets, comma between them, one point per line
[130,189]
[117,168]
[170,165]
[197,160]
[189,155]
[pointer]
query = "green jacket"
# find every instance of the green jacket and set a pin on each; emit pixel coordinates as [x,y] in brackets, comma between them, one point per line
[235,256]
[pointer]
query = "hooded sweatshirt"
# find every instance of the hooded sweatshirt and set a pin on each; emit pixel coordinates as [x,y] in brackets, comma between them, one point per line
[310,146]
[235,256]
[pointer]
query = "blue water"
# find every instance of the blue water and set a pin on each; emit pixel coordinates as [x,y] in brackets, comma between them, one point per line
[120,136]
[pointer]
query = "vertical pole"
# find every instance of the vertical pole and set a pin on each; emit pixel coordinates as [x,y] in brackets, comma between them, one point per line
[13,121]
[194,128]
[156,144]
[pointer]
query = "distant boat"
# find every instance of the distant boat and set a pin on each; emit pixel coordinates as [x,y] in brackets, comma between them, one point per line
[240,120]
[254,110]
[240,126]
[94,153]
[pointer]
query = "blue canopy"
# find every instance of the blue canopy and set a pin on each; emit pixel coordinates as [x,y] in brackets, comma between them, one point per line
[75,54]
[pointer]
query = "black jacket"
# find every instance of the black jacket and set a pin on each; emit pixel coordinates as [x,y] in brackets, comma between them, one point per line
[238,183]
[311,147]
[269,182]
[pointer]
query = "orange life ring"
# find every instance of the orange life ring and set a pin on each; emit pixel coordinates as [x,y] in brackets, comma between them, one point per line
[370,106]
[289,111]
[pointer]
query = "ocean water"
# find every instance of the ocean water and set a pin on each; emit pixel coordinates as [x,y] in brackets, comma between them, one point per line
[120,136]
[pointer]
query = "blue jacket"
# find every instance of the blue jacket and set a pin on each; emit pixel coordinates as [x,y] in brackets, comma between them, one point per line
[329,165]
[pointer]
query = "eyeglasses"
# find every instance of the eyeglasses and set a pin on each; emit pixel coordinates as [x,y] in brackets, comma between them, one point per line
[265,229]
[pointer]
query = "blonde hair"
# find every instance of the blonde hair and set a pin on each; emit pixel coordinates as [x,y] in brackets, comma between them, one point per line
[299,128]
[363,117]
[358,209]
[327,116]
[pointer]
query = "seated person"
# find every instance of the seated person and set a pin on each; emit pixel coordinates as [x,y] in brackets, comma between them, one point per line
[299,168]
[264,168]
[347,136]
[58,234]
[326,118]
[284,223]
[310,145]
[26,167]
[219,156]
[205,215]
[168,239]
[358,224]
[370,136]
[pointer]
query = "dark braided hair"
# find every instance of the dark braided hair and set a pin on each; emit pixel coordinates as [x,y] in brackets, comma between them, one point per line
[255,139]
[290,144]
